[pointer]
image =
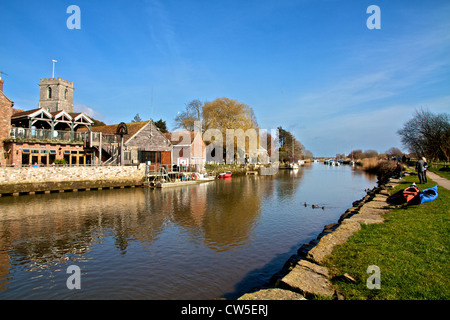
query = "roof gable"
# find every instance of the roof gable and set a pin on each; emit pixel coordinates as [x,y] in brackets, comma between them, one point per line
[112,128]
[81,117]
[61,114]
[149,138]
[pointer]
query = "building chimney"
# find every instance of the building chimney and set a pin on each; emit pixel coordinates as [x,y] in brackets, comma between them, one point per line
[1,84]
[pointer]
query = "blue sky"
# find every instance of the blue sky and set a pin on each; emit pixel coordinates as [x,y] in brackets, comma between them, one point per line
[312,67]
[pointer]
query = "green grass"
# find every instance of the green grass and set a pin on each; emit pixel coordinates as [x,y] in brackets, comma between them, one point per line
[411,248]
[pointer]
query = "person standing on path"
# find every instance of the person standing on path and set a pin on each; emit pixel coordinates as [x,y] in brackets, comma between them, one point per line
[421,170]
[425,168]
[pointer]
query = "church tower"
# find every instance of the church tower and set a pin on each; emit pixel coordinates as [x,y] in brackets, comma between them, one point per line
[56,95]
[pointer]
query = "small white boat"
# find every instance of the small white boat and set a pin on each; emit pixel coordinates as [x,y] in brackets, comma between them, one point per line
[202,177]
[293,166]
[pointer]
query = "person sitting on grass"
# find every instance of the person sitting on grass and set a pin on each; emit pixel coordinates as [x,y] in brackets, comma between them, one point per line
[397,174]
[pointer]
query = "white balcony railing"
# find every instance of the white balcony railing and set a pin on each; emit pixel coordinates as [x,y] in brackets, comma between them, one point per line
[56,135]
[49,135]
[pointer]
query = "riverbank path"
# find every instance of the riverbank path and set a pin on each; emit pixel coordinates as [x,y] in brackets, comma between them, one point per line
[441,181]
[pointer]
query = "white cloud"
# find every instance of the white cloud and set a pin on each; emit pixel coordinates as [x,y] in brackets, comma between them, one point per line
[88,111]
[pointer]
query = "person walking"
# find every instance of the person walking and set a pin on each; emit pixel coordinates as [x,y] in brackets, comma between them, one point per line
[421,170]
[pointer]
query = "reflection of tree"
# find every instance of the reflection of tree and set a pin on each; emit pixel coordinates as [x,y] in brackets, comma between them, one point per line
[233,212]
[44,230]
[222,213]
[288,182]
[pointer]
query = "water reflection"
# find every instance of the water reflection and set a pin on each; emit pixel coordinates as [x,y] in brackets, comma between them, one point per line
[235,224]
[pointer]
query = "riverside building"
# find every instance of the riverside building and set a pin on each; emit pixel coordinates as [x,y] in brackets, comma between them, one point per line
[54,134]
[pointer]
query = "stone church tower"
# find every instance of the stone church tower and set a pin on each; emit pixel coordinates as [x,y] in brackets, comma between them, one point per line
[56,94]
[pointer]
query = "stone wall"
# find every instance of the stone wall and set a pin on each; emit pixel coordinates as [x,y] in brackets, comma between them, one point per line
[37,179]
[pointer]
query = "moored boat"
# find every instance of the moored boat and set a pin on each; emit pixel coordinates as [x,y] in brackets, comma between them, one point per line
[293,166]
[429,194]
[408,195]
[224,175]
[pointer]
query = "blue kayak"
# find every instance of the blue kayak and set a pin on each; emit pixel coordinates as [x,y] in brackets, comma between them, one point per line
[429,194]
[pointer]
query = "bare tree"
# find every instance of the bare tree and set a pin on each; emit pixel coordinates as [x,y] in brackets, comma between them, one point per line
[187,118]
[427,134]
[394,152]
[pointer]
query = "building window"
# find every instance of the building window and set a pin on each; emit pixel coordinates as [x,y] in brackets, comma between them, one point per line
[65,94]
[152,156]
[49,90]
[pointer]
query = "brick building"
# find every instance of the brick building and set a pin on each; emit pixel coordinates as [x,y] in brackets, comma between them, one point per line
[53,133]
[46,134]
[6,110]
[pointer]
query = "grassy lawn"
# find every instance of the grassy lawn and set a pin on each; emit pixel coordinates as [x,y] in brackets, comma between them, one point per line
[411,248]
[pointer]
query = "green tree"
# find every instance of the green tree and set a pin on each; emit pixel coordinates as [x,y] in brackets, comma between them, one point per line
[97,123]
[161,125]
[136,118]
[290,148]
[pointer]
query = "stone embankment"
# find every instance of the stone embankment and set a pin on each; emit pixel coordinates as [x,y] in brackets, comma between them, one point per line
[15,181]
[303,276]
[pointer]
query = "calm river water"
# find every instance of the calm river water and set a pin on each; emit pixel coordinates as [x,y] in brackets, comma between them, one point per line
[217,239]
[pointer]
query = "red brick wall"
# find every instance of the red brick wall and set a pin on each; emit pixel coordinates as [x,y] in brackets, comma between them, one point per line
[17,147]
[5,123]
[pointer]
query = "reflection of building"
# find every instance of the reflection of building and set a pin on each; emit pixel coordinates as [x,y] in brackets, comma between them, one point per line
[87,216]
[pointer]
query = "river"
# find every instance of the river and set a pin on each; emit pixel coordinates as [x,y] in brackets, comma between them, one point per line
[213,240]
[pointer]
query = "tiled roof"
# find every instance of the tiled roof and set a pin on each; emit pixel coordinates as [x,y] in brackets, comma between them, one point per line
[133,128]
[24,113]
[17,111]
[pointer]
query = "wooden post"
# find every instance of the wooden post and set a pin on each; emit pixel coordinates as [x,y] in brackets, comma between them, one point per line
[122,162]
[100,150]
